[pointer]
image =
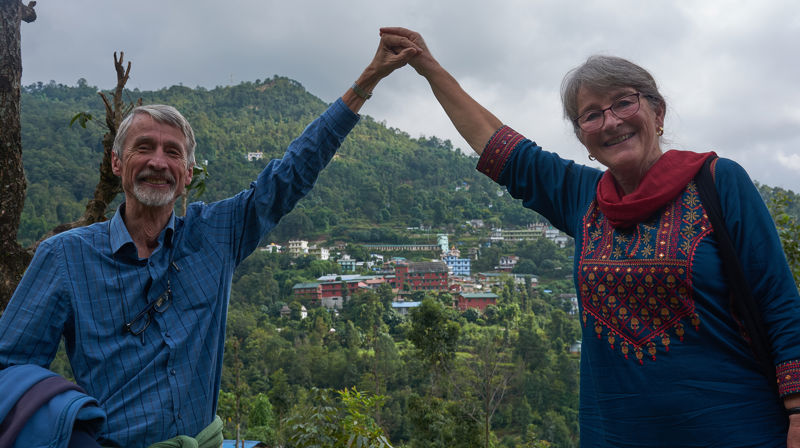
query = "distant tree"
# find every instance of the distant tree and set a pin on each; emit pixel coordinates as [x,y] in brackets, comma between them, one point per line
[238,408]
[296,309]
[440,423]
[261,424]
[485,377]
[471,315]
[280,394]
[525,267]
[532,343]
[788,229]
[294,225]
[386,294]
[435,336]
[324,422]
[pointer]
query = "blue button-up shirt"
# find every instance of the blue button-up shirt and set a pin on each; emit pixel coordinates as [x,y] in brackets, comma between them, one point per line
[86,284]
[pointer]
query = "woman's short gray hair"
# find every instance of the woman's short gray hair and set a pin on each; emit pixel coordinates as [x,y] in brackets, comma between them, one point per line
[163,114]
[603,73]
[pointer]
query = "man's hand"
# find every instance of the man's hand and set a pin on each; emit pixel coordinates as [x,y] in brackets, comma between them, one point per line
[423,62]
[393,52]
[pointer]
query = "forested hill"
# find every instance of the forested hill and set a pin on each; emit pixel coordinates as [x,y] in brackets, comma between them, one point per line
[380,176]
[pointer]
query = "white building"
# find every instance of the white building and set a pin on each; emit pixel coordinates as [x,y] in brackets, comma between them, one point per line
[298,247]
[272,248]
[321,253]
[258,155]
[443,243]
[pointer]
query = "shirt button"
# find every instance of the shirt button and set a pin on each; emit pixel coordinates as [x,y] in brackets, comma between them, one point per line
[172,372]
[152,264]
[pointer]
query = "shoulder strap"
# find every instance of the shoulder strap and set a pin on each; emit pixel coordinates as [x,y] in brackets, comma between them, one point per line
[743,303]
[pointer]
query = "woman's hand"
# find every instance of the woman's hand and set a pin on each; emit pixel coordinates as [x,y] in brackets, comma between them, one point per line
[474,122]
[424,62]
[793,437]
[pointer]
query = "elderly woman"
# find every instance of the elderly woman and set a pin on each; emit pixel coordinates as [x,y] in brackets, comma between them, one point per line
[663,360]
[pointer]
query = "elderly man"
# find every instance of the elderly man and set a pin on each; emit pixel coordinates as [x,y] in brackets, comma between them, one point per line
[141,300]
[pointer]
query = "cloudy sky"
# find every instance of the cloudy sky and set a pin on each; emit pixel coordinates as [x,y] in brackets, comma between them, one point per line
[729,69]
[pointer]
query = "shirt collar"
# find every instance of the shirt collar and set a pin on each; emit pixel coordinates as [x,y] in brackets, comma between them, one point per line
[120,237]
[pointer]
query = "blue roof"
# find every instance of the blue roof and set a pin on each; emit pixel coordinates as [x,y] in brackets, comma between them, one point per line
[479,295]
[405,304]
[231,443]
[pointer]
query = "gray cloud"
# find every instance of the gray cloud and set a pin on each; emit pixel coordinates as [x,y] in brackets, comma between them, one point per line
[728,68]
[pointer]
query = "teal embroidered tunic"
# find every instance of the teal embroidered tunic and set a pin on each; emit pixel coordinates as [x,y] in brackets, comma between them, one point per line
[664,363]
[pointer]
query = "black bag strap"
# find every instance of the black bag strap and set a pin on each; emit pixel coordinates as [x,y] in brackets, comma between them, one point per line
[743,303]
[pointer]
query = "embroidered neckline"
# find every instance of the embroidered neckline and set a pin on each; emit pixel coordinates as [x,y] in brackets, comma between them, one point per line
[635,284]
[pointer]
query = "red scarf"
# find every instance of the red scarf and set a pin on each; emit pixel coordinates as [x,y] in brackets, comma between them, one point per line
[660,185]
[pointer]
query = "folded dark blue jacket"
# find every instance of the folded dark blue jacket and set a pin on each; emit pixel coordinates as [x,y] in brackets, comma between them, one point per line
[38,408]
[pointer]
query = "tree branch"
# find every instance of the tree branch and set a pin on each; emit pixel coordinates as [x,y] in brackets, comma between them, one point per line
[27,13]
[109,185]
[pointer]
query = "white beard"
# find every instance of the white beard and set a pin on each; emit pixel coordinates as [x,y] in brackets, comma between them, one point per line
[153,197]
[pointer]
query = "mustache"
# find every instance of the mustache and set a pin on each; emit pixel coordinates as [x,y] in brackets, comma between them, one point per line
[149,173]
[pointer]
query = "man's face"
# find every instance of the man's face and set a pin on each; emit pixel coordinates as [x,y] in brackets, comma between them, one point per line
[153,167]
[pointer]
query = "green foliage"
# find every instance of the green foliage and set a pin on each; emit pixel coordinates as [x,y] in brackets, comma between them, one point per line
[434,334]
[358,426]
[82,118]
[441,423]
[199,177]
[313,425]
[325,422]
[261,420]
[788,229]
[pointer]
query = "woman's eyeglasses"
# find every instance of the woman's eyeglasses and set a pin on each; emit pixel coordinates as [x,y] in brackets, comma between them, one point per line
[593,120]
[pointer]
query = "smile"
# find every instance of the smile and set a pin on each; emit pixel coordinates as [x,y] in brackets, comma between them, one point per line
[618,140]
[156,181]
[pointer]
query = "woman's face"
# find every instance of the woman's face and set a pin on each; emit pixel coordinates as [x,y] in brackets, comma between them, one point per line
[628,147]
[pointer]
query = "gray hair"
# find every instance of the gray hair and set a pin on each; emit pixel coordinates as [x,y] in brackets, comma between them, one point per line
[163,114]
[602,73]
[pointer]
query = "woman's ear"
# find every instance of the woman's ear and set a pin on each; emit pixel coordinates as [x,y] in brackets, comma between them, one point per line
[660,112]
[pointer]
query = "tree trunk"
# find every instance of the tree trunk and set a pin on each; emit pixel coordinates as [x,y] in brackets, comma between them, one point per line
[14,258]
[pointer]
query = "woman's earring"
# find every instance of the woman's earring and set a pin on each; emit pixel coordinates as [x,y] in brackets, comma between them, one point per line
[591,158]
[660,131]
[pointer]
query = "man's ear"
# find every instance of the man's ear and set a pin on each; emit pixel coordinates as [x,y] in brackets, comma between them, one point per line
[189,174]
[116,164]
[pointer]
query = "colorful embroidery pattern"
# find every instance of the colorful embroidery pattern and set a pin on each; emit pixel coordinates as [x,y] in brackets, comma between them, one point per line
[496,152]
[635,284]
[788,377]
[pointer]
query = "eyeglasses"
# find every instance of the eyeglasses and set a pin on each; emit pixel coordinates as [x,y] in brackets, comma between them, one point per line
[142,320]
[594,119]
